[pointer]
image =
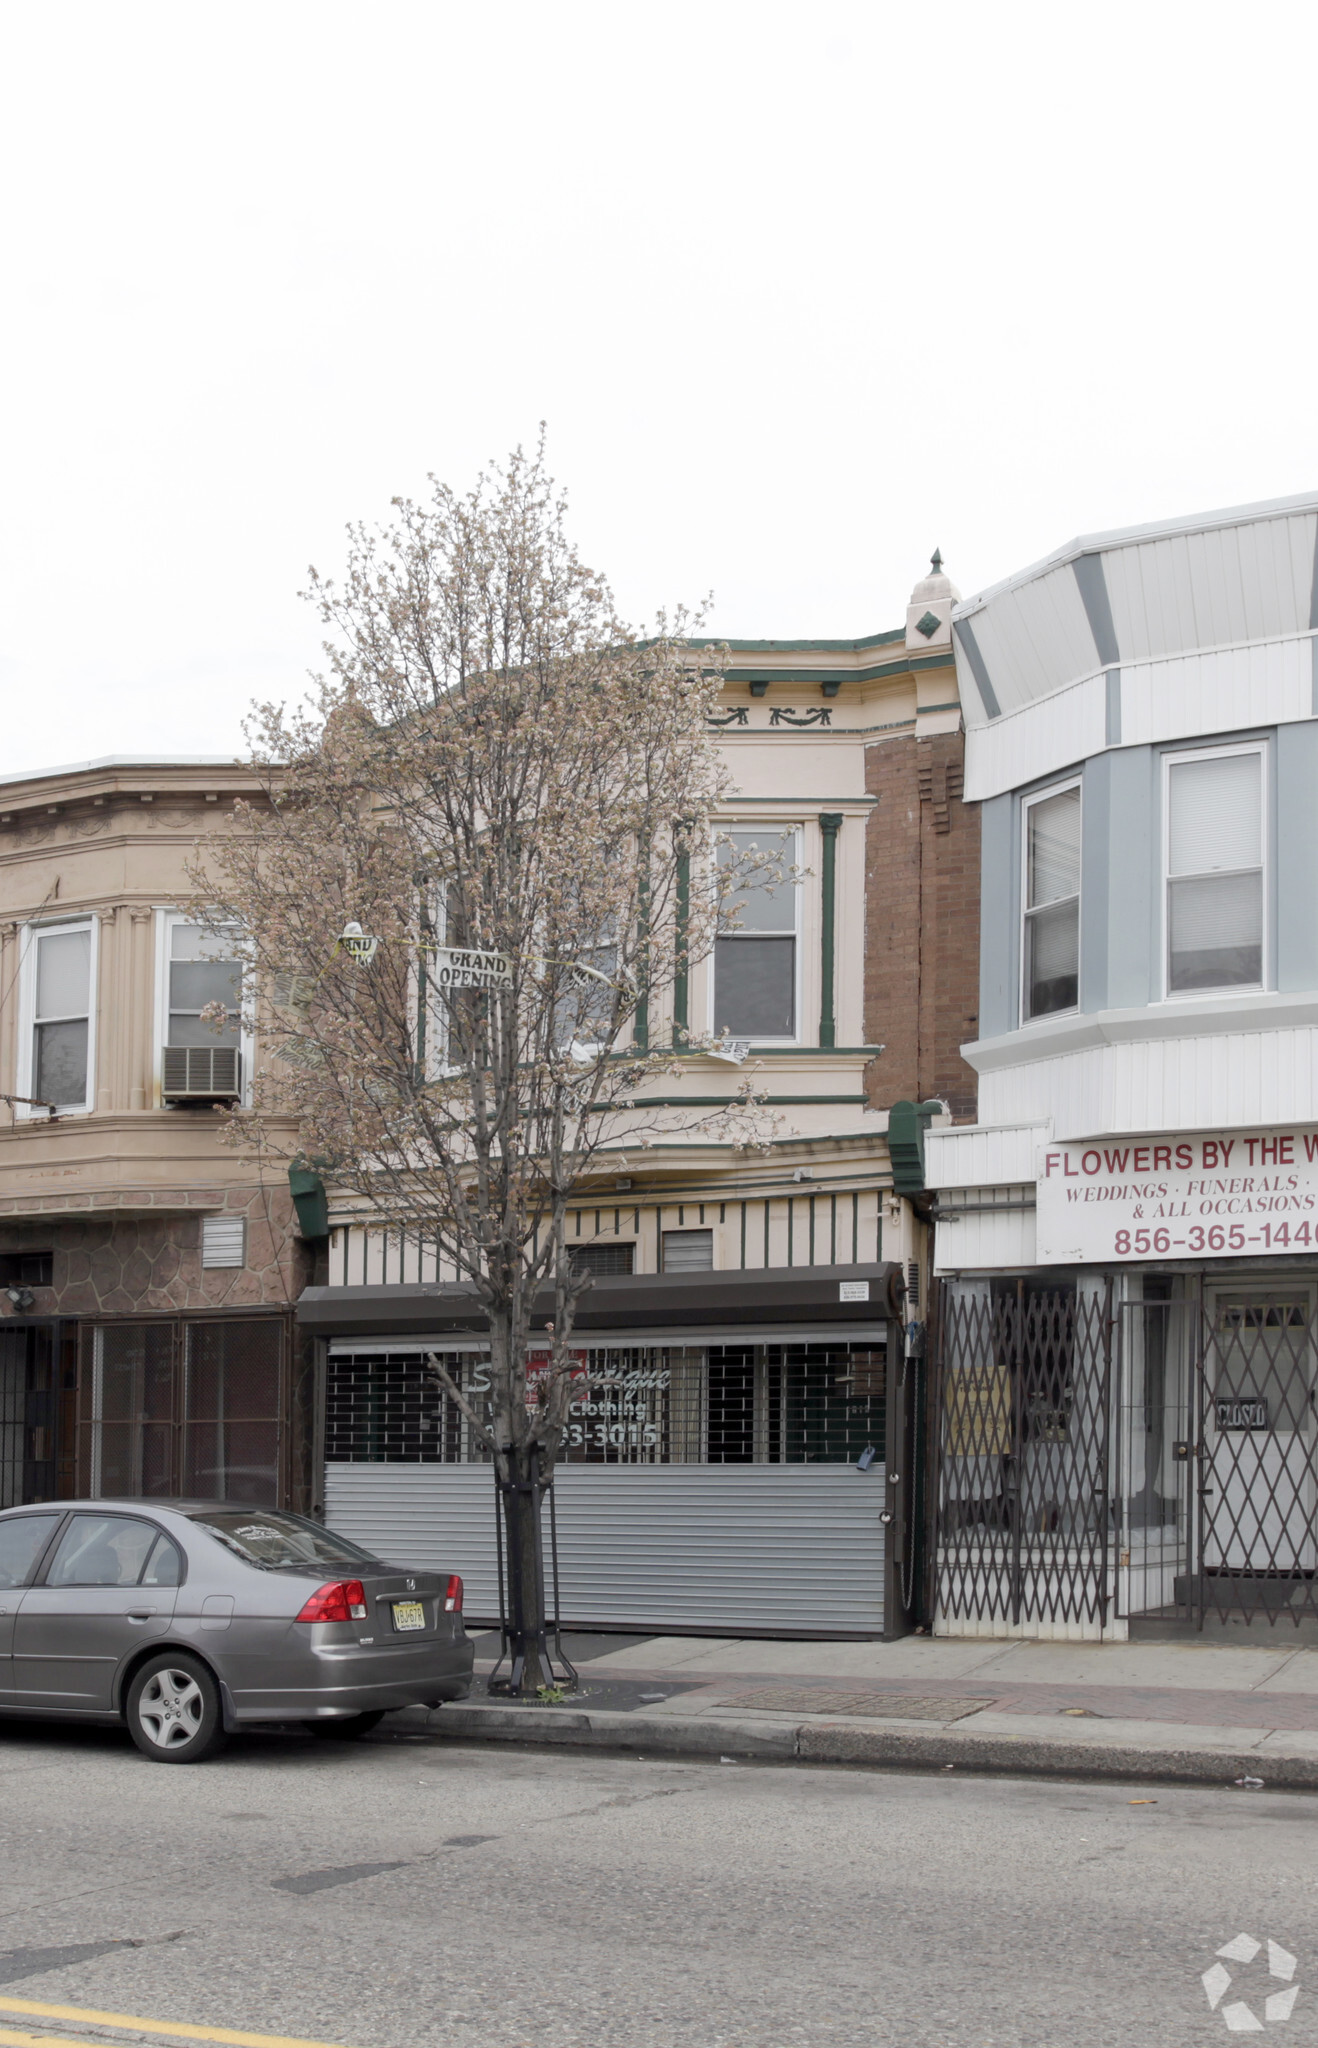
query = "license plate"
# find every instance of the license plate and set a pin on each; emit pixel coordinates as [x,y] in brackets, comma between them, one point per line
[409,1614]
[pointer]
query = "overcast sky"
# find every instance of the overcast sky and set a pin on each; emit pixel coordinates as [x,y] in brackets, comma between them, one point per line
[801,291]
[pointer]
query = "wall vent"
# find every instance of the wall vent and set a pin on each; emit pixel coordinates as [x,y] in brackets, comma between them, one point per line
[202,1072]
[223,1240]
[688,1251]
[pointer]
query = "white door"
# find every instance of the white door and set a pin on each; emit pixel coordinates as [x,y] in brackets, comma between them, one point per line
[1261,1431]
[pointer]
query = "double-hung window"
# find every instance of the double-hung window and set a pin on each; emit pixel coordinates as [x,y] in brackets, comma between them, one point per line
[203,969]
[755,950]
[1213,841]
[58,1062]
[1050,947]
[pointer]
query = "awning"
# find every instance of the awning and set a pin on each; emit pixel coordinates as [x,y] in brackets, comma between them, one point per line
[776,1297]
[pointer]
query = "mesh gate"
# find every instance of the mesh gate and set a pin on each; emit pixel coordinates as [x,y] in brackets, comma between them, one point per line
[1024,1503]
[1155,1460]
[1220,1454]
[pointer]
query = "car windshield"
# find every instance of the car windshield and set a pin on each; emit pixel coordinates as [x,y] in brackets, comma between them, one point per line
[268,1536]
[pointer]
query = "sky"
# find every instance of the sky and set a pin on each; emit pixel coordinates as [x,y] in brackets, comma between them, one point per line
[800,292]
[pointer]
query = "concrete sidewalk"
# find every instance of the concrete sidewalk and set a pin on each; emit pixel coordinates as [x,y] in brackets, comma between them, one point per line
[1198,1712]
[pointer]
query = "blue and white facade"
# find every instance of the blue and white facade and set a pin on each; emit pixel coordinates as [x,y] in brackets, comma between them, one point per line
[1142,735]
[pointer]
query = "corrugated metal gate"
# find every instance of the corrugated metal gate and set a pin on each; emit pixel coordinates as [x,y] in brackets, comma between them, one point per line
[709,1487]
[729,1549]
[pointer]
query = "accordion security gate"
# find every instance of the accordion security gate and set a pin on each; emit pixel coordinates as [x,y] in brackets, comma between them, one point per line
[1152,1460]
[1024,1524]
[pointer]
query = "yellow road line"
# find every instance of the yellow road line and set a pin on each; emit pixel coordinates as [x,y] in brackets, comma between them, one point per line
[179,2028]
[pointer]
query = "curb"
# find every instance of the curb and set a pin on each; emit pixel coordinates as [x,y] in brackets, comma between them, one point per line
[825,1742]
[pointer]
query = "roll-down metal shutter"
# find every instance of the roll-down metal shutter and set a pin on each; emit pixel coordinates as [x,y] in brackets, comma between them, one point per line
[734,1549]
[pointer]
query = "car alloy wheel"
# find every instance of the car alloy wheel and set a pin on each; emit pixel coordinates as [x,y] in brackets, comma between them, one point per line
[174,1710]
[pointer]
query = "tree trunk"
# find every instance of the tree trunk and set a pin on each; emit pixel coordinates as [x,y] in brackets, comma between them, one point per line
[521,1496]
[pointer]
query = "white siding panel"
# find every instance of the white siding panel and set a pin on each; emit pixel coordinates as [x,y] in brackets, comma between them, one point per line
[1037,740]
[1271,683]
[1232,1079]
[738,1549]
[1035,637]
[1248,581]
[974,1157]
[974,1243]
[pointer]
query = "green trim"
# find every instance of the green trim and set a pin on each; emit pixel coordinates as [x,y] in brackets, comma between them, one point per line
[830,824]
[804,646]
[955,705]
[915,665]
[681,1016]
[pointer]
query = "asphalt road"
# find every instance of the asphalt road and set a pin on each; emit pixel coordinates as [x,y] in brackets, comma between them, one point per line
[400,1891]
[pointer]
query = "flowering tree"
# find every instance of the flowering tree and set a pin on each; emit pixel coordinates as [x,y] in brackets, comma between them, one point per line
[507,793]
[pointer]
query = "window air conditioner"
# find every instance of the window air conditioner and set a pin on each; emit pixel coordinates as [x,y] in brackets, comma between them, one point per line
[202,1073]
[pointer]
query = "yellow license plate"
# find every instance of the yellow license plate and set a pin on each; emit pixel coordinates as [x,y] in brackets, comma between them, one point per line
[409,1614]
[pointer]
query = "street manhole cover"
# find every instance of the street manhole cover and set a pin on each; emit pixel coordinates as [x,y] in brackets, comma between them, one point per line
[899,1706]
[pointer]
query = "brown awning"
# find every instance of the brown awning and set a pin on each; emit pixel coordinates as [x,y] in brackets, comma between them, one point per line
[637,1301]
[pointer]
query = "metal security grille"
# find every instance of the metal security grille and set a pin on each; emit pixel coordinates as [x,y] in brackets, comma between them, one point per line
[1024,1509]
[35,1360]
[635,1405]
[190,1407]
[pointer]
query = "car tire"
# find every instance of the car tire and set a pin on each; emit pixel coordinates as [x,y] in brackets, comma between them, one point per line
[173,1709]
[350,1728]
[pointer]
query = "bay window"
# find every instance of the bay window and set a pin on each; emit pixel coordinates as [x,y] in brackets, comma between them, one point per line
[1050,949]
[1214,870]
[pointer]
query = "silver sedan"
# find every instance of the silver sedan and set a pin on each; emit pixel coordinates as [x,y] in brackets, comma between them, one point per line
[191,1619]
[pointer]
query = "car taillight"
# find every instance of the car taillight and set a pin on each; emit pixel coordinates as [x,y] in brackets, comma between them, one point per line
[345,1600]
[453,1597]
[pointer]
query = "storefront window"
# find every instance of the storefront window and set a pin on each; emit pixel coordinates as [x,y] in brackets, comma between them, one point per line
[641,1405]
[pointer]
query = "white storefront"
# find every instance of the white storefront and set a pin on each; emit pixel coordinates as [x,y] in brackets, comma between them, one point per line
[1127,1240]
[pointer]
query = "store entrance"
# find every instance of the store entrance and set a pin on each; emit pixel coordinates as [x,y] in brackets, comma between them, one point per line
[38,1378]
[1259,1458]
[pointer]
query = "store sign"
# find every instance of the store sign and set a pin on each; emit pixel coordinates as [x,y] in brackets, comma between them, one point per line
[1236,1194]
[468,967]
[538,1366]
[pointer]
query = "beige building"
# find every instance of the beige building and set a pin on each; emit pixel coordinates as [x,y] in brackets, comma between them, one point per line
[726,1469]
[147,1272]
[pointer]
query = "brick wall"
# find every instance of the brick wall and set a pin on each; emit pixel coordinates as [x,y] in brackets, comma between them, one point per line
[922,917]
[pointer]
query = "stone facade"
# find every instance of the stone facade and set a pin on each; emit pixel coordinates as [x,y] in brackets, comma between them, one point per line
[150,1263]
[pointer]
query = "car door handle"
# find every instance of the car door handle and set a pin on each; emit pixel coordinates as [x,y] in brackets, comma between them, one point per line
[142,1614]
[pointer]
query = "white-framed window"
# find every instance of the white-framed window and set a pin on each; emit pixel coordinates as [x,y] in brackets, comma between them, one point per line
[1050,902]
[757,951]
[1214,870]
[196,968]
[57,1051]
